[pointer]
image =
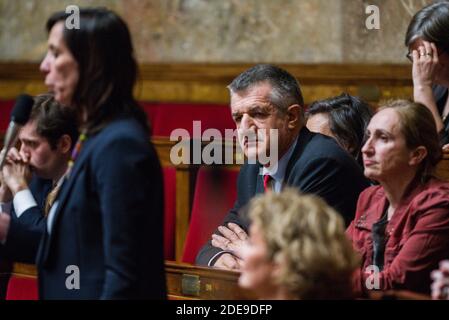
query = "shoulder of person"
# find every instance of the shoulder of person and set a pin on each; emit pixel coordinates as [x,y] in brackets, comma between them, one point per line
[322,149]
[122,128]
[121,136]
[432,193]
[38,184]
[325,147]
[375,190]
[372,194]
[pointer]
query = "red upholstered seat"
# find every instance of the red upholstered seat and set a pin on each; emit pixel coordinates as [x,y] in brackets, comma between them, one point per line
[169,212]
[215,194]
[5,112]
[166,117]
[22,288]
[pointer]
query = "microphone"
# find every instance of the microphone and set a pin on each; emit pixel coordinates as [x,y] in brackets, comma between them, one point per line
[19,117]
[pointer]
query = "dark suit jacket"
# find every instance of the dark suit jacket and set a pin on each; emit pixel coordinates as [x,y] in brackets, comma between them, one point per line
[24,234]
[318,166]
[108,222]
[440,94]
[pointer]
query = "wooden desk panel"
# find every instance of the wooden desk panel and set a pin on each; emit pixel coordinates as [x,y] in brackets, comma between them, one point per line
[190,282]
[184,282]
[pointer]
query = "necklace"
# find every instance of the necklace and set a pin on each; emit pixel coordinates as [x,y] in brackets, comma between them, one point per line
[76,151]
[445,117]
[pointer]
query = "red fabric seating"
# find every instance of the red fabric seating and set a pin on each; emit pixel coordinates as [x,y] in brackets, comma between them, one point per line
[166,117]
[215,194]
[22,288]
[5,112]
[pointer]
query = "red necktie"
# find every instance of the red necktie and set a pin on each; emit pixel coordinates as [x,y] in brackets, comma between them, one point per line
[266,182]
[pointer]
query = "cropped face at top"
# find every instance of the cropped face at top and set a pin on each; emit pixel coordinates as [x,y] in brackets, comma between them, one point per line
[60,67]
[257,269]
[385,153]
[255,116]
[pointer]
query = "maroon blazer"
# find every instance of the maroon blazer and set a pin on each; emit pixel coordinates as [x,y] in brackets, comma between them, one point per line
[417,236]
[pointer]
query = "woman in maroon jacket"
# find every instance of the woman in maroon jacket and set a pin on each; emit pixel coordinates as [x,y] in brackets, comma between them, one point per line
[401,228]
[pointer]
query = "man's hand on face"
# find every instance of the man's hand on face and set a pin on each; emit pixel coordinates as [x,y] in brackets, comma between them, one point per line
[5,193]
[16,172]
[233,239]
[228,262]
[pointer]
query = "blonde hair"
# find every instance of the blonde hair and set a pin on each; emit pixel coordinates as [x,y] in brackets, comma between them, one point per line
[419,129]
[307,239]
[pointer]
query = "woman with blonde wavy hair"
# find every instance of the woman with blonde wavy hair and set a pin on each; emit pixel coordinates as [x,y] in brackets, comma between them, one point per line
[297,249]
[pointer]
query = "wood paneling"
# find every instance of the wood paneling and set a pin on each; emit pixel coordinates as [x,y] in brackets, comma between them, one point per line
[350,74]
[442,169]
[206,83]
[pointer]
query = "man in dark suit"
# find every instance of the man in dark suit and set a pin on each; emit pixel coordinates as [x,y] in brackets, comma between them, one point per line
[32,175]
[264,99]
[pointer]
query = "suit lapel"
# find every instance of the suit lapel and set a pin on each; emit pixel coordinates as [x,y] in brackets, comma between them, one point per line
[62,199]
[301,141]
[259,182]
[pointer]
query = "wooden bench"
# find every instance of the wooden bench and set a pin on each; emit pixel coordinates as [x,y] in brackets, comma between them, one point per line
[206,82]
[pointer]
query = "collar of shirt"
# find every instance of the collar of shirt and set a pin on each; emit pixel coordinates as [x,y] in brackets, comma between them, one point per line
[54,207]
[279,174]
[60,180]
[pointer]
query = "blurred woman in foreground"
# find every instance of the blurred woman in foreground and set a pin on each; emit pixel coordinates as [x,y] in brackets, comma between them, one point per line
[297,250]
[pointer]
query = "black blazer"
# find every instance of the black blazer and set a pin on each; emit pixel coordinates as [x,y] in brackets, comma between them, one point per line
[318,166]
[25,233]
[108,221]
